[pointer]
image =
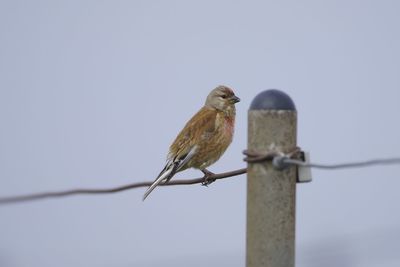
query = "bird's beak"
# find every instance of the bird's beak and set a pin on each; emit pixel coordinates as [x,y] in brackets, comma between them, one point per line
[235,99]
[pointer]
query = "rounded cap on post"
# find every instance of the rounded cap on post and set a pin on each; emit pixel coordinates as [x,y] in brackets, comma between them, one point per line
[272,100]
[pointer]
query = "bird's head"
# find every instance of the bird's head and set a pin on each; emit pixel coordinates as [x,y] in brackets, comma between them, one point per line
[222,98]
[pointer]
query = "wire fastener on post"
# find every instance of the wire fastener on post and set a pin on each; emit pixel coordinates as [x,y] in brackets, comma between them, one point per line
[277,158]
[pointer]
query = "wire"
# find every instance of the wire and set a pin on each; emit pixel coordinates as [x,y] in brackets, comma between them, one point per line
[57,194]
[367,163]
[296,157]
[279,160]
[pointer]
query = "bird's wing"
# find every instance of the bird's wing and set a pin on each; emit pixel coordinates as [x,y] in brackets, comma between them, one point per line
[198,128]
[182,162]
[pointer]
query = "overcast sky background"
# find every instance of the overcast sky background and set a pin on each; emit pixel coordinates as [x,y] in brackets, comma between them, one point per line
[93,92]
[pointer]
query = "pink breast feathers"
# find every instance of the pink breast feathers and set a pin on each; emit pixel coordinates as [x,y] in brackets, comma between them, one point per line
[230,125]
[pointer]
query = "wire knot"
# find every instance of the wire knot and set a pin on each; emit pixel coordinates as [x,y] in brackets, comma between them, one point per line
[277,158]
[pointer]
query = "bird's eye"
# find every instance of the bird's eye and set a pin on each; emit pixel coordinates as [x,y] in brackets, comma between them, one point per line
[223,96]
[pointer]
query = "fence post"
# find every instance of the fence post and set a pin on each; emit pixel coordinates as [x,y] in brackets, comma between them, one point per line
[271,193]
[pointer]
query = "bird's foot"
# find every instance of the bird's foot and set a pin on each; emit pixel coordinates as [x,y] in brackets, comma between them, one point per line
[208,179]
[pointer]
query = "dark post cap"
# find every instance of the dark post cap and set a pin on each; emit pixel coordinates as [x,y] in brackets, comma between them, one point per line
[272,99]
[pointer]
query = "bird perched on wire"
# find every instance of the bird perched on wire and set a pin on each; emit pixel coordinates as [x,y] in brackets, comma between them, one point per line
[204,138]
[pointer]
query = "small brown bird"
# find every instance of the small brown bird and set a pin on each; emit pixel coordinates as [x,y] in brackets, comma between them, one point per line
[204,138]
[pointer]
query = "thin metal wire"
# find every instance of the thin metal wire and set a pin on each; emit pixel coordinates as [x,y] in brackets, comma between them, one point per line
[91,191]
[277,159]
[367,163]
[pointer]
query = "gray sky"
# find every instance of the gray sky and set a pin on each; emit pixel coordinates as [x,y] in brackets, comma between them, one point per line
[93,92]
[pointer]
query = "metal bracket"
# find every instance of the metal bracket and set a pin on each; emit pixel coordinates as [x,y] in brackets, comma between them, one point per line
[304,173]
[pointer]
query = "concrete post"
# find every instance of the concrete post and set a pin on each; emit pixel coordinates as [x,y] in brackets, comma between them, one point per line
[271,193]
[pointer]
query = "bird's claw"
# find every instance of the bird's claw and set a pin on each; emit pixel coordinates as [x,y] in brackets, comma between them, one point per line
[208,179]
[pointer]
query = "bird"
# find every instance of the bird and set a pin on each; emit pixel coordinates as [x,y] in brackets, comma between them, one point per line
[204,138]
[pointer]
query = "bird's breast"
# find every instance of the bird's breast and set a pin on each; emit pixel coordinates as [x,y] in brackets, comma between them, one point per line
[229,125]
[212,147]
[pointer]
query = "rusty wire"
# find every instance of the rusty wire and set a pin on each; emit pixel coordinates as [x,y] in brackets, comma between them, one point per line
[279,160]
[86,191]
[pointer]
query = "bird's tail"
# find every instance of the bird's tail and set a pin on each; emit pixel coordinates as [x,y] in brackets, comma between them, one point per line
[165,175]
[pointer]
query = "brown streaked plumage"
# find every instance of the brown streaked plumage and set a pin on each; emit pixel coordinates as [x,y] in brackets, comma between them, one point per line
[204,138]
